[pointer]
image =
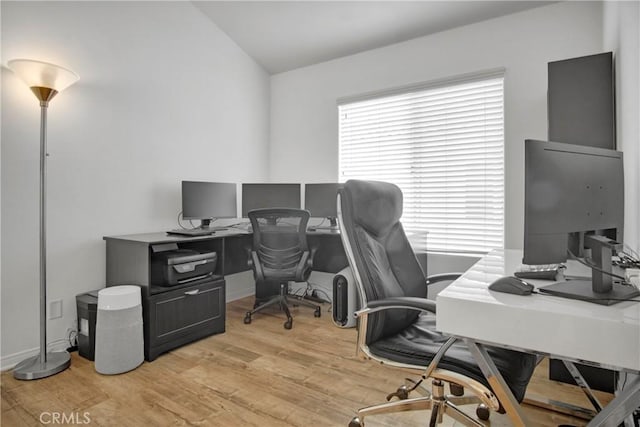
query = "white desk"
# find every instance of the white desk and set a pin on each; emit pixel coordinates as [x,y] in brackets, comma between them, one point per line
[607,336]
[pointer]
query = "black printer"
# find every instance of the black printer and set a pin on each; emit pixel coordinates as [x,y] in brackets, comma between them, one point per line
[180,266]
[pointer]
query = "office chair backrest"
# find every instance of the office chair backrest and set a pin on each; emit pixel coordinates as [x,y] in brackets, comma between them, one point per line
[379,251]
[280,241]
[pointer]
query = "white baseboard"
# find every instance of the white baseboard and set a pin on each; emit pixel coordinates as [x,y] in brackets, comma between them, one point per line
[240,293]
[239,285]
[11,360]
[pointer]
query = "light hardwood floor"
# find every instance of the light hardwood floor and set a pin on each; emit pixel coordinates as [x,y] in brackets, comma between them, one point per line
[257,375]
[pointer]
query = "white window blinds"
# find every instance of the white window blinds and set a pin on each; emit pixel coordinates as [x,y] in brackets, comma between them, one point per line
[443,146]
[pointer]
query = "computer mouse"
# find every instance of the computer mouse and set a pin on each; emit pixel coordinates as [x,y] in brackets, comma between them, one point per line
[512,285]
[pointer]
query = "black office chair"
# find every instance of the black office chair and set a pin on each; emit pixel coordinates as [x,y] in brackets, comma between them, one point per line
[280,254]
[396,325]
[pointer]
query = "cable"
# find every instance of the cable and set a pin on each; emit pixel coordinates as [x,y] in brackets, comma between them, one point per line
[180,223]
[633,253]
[237,224]
[74,334]
[595,267]
[626,261]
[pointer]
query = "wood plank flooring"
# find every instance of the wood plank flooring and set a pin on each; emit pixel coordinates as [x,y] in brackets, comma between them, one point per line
[252,375]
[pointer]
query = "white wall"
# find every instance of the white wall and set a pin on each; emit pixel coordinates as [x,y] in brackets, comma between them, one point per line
[304,123]
[622,36]
[164,96]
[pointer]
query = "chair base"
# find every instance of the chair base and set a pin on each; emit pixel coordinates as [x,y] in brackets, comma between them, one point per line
[284,301]
[439,404]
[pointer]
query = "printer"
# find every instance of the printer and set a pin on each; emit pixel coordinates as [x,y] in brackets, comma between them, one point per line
[181,266]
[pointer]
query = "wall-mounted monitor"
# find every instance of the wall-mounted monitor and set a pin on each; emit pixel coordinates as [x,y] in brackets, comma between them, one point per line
[207,201]
[259,196]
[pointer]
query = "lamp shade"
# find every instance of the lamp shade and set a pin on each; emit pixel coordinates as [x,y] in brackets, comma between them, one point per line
[42,74]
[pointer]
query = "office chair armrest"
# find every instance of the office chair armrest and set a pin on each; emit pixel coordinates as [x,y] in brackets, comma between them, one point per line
[435,278]
[412,303]
[312,253]
[254,263]
[302,266]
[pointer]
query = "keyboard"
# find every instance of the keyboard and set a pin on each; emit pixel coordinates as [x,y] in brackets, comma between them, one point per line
[191,232]
[541,272]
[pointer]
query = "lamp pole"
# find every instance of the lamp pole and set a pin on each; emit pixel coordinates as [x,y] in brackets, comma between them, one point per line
[44,104]
[45,81]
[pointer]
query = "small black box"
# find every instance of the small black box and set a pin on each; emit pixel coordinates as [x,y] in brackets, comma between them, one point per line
[87,308]
[182,266]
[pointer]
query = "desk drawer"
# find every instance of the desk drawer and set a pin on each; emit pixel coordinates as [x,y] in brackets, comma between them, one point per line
[176,317]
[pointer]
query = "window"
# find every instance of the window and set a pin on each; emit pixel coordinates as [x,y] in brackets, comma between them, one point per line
[443,145]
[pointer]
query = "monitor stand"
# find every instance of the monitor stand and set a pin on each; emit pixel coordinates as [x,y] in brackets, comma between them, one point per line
[205,224]
[600,289]
[583,290]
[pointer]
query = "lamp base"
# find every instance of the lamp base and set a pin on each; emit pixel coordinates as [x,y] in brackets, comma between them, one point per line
[33,369]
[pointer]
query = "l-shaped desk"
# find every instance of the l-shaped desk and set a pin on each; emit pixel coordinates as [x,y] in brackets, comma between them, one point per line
[573,331]
[176,315]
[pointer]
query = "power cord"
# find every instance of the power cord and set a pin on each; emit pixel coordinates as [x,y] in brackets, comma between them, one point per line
[595,267]
[72,337]
[180,223]
[625,260]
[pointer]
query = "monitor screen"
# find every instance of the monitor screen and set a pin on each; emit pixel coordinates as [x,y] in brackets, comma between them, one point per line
[574,207]
[321,199]
[570,191]
[259,196]
[208,200]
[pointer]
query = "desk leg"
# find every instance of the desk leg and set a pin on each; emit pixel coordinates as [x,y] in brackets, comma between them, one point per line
[582,383]
[619,408]
[498,385]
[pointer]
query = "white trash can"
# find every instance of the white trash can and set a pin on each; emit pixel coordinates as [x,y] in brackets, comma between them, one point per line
[119,334]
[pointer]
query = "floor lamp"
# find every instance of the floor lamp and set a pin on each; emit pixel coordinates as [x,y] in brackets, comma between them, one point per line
[45,81]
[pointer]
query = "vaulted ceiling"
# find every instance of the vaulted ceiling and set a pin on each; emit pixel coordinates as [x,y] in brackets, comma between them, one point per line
[284,35]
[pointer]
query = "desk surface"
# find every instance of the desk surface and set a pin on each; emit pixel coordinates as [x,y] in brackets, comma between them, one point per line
[603,335]
[163,237]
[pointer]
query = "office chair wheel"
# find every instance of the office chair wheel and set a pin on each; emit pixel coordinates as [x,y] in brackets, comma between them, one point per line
[456,389]
[355,422]
[401,393]
[247,318]
[316,313]
[288,324]
[482,412]
[256,305]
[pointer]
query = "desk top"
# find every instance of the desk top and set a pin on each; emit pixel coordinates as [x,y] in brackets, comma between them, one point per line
[603,335]
[163,237]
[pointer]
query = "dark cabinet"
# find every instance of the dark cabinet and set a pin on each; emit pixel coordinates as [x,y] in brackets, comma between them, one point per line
[193,309]
[175,317]
[172,315]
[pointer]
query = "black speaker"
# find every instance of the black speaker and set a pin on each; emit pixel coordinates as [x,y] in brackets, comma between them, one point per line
[345,299]
[581,101]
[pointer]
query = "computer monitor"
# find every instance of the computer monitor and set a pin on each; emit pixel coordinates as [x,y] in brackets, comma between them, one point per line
[574,202]
[208,200]
[321,201]
[259,196]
